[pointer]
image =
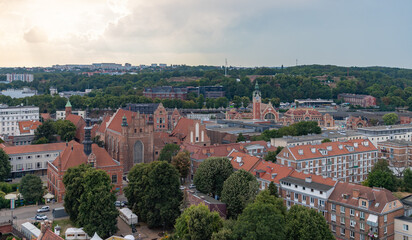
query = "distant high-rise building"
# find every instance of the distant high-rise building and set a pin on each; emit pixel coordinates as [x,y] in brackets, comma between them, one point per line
[19,77]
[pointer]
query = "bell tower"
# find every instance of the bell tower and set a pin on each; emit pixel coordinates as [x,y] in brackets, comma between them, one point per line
[256,102]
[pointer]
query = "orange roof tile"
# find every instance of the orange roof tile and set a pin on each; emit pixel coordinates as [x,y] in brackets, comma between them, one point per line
[102,126]
[34,148]
[49,235]
[377,197]
[45,116]
[302,111]
[181,128]
[272,172]
[334,146]
[116,122]
[75,119]
[26,126]
[243,161]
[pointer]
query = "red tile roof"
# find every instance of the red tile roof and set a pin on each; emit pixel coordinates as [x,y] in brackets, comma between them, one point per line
[163,138]
[34,148]
[45,116]
[102,126]
[243,161]
[73,155]
[116,122]
[268,169]
[315,178]
[26,126]
[377,197]
[181,129]
[308,154]
[302,111]
[49,235]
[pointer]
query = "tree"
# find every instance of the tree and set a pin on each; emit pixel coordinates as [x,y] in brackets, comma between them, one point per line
[407,179]
[42,140]
[153,193]
[168,151]
[239,190]
[226,232]
[31,188]
[65,129]
[211,175]
[240,138]
[390,118]
[260,221]
[273,190]
[46,130]
[197,223]
[5,166]
[306,224]
[74,182]
[382,176]
[182,163]
[271,156]
[326,140]
[97,212]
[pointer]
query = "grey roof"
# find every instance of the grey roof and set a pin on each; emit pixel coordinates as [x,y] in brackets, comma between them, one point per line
[404,218]
[302,182]
[144,108]
[407,200]
[397,142]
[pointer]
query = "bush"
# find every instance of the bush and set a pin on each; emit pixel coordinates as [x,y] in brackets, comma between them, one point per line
[5,187]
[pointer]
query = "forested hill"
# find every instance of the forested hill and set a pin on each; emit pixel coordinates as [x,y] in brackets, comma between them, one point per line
[391,86]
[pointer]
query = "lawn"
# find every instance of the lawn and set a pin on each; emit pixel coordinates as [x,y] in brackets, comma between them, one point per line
[64,224]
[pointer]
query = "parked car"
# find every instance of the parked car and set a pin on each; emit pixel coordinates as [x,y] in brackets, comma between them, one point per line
[192,186]
[125,203]
[8,180]
[119,204]
[41,217]
[43,209]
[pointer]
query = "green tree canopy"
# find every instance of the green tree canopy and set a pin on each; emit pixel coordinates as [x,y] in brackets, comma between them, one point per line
[211,175]
[74,181]
[31,188]
[153,193]
[5,166]
[239,190]
[168,151]
[97,212]
[65,129]
[197,223]
[407,179]
[326,140]
[390,118]
[306,224]
[273,189]
[271,156]
[382,176]
[46,130]
[182,163]
[240,138]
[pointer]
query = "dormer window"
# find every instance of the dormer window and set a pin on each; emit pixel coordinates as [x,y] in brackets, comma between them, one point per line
[363,203]
[340,147]
[323,151]
[300,151]
[313,150]
[329,148]
[355,145]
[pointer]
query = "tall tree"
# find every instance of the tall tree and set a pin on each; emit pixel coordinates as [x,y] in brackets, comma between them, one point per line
[407,179]
[273,190]
[306,224]
[182,163]
[240,138]
[65,129]
[31,188]
[5,166]
[211,175]
[97,212]
[74,182]
[168,151]
[390,118]
[239,190]
[46,130]
[154,194]
[197,223]
[382,176]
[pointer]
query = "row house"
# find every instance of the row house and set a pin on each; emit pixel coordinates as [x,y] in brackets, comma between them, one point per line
[348,161]
[241,160]
[308,190]
[358,212]
[267,172]
[397,152]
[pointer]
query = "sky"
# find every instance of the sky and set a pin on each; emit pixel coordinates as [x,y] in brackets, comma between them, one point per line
[206,32]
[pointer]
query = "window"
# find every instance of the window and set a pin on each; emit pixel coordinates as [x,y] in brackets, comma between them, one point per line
[342,209]
[333,228]
[352,234]
[362,215]
[312,200]
[405,227]
[352,223]
[352,212]
[333,217]
[333,207]
[38,165]
[304,198]
[362,226]
[385,230]
[405,238]
[342,220]
[342,231]
[29,165]
[385,218]
[296,196]
[114,178]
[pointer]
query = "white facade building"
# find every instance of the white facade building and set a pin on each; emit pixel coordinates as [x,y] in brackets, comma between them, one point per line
[19,77]
[385,133]
[10,116]
[32,158]
[61,115]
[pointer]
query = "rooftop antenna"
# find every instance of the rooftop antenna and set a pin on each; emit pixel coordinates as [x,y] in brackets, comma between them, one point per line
[225,67]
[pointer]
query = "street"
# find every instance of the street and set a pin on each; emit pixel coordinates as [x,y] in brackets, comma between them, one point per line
[26,213]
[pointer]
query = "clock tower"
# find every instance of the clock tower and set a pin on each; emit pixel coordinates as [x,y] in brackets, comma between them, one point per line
[256,102]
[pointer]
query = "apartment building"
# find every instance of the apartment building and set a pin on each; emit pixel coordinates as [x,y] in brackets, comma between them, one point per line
[384,133]
[11,116]
[348,161]
[32,158]
[358,212]
[358,99]
[403,228]
[19,77]
[397,152]
[267,172]
[308,190]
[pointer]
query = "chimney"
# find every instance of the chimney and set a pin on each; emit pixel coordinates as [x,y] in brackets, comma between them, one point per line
[355,193]
[87,143]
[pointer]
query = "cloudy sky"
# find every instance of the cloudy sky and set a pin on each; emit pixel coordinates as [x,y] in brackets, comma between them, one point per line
[193,32]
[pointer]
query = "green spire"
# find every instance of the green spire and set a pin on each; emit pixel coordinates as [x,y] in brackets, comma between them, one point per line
[124,121]
[257,85]
[68,104]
